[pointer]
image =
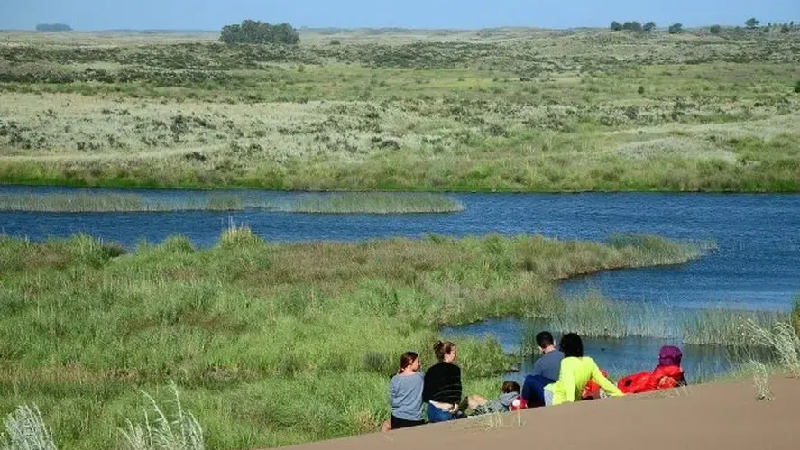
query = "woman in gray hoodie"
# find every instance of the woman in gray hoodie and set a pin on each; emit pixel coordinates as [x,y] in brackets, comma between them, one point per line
[405,393]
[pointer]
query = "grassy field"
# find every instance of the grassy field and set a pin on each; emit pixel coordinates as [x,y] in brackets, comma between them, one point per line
[505,109]
[269,343]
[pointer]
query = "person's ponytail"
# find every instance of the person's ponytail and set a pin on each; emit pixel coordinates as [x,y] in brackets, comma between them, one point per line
[442,348]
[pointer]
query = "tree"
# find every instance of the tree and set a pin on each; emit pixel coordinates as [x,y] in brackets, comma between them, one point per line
[253,32]
[715,29]
[649,26]
[752,23]
[632,26]
[616,26]
[675,28]
[53,27]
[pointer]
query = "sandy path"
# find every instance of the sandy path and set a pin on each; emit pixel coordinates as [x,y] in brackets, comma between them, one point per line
[714,416]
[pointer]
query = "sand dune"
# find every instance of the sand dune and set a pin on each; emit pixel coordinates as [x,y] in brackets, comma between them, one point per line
[722,415]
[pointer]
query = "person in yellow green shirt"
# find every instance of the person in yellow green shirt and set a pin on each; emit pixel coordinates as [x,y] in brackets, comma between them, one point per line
[575,372]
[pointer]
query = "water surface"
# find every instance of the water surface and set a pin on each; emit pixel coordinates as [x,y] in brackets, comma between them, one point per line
[756,264]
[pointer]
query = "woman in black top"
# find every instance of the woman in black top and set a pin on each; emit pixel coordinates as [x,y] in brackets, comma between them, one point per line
[442,389]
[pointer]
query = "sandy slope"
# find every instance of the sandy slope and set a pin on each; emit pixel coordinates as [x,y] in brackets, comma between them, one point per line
[713,416]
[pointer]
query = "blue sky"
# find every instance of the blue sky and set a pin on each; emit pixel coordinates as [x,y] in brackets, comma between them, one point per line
[213,14]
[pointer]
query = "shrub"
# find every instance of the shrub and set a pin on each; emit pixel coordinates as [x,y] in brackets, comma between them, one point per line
[797,87]
[715,29]
[616,26]
[253,32]
[752,23]
[649,26]
[641,90]
[675,28]
[632,26]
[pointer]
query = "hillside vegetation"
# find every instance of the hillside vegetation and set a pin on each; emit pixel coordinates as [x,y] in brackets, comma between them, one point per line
[518,109]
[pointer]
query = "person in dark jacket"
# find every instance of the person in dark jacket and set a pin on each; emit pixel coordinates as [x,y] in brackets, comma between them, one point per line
[442,390]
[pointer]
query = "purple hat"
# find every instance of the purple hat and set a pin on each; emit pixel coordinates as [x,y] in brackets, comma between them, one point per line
[669,355]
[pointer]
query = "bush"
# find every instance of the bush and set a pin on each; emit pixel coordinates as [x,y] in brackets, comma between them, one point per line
[797,87]
[252,32]
[715,29]
[649,26]
[616,26]
[632,26]
[752,23]
[675,28]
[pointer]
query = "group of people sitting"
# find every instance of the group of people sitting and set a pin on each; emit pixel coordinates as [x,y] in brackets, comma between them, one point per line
[559,375]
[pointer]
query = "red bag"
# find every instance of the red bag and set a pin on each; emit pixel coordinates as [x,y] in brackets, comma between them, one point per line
[664,377]
[592,390]
[519,403]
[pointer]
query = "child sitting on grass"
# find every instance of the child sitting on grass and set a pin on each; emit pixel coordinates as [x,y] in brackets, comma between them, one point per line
[509,399]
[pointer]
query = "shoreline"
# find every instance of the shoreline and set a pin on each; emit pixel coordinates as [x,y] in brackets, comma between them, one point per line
[714,415]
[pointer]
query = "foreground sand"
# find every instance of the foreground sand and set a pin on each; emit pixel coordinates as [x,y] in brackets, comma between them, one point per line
[713,416]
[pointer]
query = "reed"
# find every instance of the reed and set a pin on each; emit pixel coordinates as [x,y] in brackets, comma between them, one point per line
[112,203]
[376,203]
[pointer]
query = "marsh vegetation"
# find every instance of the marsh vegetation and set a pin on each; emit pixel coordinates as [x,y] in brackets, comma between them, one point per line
[246,327]
[522,110]
[340,203]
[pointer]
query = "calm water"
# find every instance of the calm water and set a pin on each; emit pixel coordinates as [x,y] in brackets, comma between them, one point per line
[756,264]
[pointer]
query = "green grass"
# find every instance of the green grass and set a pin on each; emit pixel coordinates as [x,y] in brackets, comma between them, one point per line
[499,110]
[247,327]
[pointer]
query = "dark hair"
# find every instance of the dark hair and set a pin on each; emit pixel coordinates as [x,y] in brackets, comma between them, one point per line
[406,359]
[443,348]
[544,339]
[572,345]
[509,386]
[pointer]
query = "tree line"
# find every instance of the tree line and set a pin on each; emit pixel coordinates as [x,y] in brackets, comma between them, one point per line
[53,27]
[254,32]
[751,24]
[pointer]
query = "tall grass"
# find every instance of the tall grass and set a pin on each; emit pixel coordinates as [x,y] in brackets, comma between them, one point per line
[182,432]
[784,341]
[26,431]
[595,316]
[376,203]
[247,326]
[344,203]
[77,203]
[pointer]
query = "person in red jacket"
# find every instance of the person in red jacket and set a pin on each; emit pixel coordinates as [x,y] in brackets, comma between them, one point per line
[668,374]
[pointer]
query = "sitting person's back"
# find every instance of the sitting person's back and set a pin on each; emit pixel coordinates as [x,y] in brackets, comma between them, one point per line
[575,373]
[545,370]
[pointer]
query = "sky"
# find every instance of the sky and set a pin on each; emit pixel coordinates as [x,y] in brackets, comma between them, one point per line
[92,15]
